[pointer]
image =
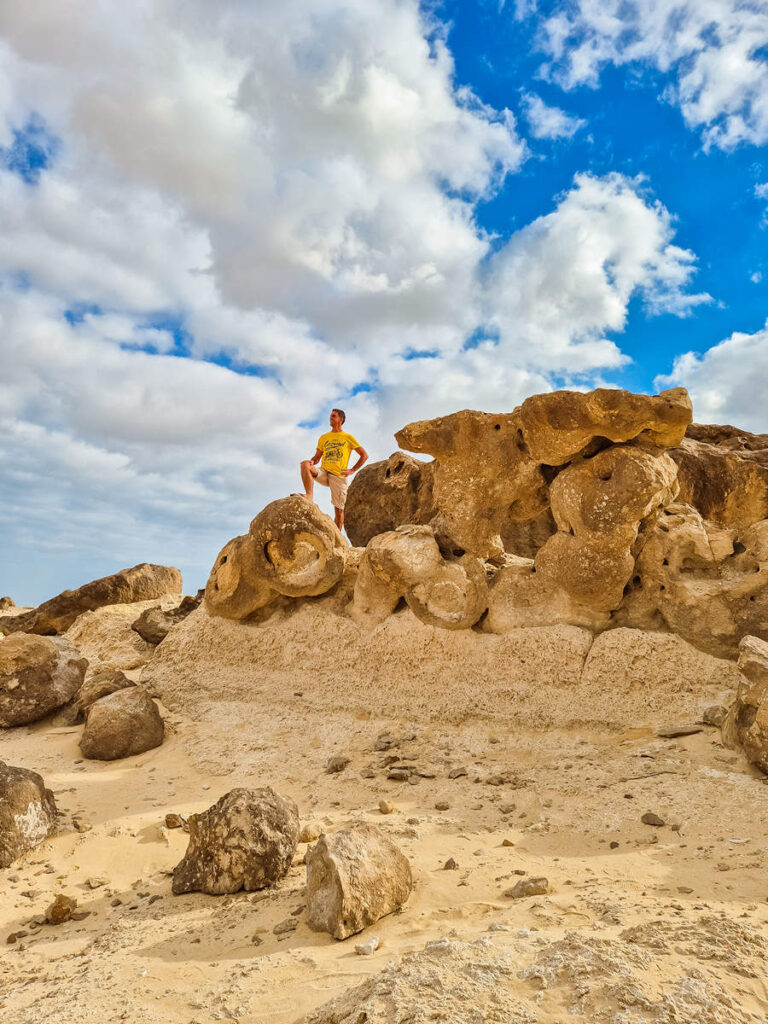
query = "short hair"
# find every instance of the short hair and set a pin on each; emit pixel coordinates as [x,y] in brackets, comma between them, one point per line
[341,413]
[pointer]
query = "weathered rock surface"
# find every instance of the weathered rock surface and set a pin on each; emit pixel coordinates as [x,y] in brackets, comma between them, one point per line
[292,550]
[103,682]
[726,483]
[122,724]
[154,624]
[388,494]
[407,563]
[6,603]
[354,877]
[246,840]
[746,724]
[27,812]
[37,675]
[141,583]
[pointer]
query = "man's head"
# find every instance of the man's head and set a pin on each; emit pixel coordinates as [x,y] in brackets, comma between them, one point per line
[337,418]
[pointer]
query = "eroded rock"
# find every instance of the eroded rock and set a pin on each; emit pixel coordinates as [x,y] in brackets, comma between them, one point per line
[246,840]
[354,877]
[103,682]
[27,812]
[746,723]
[37,675]
[122,724]
[388,494]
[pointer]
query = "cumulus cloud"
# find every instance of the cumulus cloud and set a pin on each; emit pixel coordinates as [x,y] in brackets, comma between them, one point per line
[245,221]
[715,51]
[546,122]
[728,382]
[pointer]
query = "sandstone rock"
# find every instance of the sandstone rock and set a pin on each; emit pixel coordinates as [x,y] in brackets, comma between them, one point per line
[122,724]
[388,494]
[61,909]
[6,603]
[37,675]
[407,563]
[561,424]
[535,886]
[103,682]
[154,623]
[354,877]
[292,550]
[18,622]
[746,724]
[246,840]
[27,812]
[141,583]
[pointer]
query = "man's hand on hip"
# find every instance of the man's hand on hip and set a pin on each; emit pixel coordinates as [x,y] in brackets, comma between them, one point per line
[347,472]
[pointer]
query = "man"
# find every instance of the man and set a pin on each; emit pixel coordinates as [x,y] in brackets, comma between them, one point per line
[333,449]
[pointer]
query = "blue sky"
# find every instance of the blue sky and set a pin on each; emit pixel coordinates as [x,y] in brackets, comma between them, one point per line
[221,220]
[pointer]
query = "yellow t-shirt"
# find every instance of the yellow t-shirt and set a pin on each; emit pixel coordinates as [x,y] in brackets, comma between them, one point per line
[336,446]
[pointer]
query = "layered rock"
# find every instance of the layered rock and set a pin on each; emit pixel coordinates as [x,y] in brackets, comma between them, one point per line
[291,550]
[407,563]
[246,840]
[27,812]
[746,724]
[37,675]
[122,724]
[354,877]
[141,583]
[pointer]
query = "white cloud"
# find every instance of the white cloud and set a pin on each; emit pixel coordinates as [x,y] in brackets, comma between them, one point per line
[547,122]
[728,382]
[715,49]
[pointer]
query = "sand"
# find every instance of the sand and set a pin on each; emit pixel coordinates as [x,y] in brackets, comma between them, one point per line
[556,734]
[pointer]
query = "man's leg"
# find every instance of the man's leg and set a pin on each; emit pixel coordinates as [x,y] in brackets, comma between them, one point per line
[338,514]
[308,474]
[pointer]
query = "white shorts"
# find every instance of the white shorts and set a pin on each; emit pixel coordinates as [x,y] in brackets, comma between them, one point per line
[337,484]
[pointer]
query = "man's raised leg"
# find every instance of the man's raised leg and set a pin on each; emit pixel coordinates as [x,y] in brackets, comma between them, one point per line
[338,514]
[308,474]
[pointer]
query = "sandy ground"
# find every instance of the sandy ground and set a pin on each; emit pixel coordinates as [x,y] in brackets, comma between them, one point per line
[641,924]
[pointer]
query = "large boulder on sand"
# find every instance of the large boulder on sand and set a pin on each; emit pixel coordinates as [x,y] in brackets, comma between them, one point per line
[38,674]
[103,682]
[27,812]
[122,724]
[354,877]
[246,840]
[746,724]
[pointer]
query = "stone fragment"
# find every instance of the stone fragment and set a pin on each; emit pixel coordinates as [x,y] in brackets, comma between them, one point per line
[385,807]
[534,886]
[154,624]
[369,947]
[442,805]
[746,723]
[671,732]
[37,676]
[388,494]
[60,910]
[103,682]
[650,818]
[122,724]
[246,840]
[310,832]
[714,715]
[450,865]
[291,550]
[27,812]
[290,924]
[336,764]
[407,563]
[173,820]
[354,877]
[141,583]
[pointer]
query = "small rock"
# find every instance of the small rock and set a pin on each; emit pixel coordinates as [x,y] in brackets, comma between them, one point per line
[412,821]
[367,948]
[310,832]
[528,887]
[173,820]
[457,773]
[80,915]
[290,924]
[507,808]
[671,732]
[367,773]
[336,764]
[614,845]
[507,842]
[442,805]
[398,774]
[649,818]
[450,865]
[60,910]
[386,807]
[714,715]
[95,883]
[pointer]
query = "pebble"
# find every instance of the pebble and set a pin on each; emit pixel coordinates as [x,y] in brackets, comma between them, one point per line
[398,774]
[336,764]
[173,820]
[290,924]
[649,818]
[386,807]
[536,886]
[369,947]
[450,865]
[310,832]
[60,910]
[442,805]
[457,773]
[507,842]
[95,883]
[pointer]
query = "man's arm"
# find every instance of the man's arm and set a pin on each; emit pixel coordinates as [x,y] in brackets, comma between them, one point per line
[362,458]
[316,457]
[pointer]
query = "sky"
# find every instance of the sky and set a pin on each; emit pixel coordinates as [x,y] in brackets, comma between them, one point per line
[217,221]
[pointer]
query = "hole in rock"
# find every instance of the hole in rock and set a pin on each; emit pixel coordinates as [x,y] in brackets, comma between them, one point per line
[738,548]
[223,560]
[388,474]
[497,426]
[266,553]
[458,552]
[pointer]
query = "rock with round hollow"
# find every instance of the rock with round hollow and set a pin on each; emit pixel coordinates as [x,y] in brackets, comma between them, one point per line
[407,563]
[122,724]
[746,723]
[246,840]
[354,877]
[27,812]
[38,674]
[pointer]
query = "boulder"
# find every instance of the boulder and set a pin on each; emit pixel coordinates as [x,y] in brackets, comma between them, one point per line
[388,494]
[407,563]
[122,724]
[37,675]
[141,583]
[27,812]
[746,723]
[103,682]
[726,483]
[154,623]
[354,877]
[246,840]
[292,549]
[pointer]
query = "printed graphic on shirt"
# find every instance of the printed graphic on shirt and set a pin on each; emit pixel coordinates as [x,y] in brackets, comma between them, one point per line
[336,447]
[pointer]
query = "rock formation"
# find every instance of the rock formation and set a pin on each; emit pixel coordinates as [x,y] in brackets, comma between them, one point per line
[27,812]
[154,623]
[291,550]
[246,840]
[141,583]
[37,675]
[746,724]
[354,877]
[121,724]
